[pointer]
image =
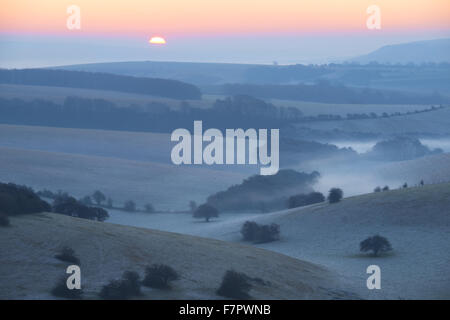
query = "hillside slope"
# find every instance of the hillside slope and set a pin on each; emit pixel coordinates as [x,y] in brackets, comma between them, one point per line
[28,269]
[416,52]
[415,220]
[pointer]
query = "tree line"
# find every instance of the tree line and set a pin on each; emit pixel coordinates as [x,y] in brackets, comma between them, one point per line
[101,81]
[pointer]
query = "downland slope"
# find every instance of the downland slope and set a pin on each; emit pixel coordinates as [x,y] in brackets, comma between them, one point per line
[29,269]
[415,220]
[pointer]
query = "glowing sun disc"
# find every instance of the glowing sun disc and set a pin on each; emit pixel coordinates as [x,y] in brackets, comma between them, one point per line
[157,40]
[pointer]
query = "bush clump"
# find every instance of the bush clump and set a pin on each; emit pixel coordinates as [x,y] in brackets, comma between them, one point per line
[121,289]
[60,290]
[376,244]
[305,199]
[234,285]
[159,276]
[335,195]
[251,231]
[67,254]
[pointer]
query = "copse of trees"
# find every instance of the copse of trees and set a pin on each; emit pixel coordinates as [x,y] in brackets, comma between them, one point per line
[305,199]
[377,244]
[335,195]
[251,231]
[101,81]
[85,113]
[16,199]
[70,206]
[258,191]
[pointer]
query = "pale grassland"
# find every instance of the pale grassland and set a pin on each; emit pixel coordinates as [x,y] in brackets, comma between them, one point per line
[29,269]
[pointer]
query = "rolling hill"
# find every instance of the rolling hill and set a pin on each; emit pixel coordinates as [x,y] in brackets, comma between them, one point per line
[416,52]
[29,269]
[415,220]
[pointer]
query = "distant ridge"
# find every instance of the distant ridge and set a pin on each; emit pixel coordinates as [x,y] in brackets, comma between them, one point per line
[416,52]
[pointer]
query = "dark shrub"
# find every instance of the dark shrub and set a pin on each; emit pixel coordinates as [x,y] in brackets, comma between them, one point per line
[305,199]
[67,254]
[335,195]
[127,287]
[131,283]
[60,290]
[386,188]
[377,189]
[376,244]
[251,231]
[206,211]
[159,276]
[15,199]
[234,285]
[4,220]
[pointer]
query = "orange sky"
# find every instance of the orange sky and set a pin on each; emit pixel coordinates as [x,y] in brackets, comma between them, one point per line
[221,16]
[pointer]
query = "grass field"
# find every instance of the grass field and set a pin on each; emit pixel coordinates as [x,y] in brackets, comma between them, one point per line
[107,250]
[415,220]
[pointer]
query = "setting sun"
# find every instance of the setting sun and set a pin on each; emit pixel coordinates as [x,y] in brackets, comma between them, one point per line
[157,40]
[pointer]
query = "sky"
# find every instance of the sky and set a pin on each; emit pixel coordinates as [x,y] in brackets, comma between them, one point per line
[35,33]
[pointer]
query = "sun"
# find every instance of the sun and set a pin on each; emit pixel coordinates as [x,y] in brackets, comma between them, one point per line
[157,40]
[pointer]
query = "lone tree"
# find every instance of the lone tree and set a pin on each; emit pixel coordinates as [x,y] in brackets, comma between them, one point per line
[206,211]
[376,244]
[335,195]
[98,197]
